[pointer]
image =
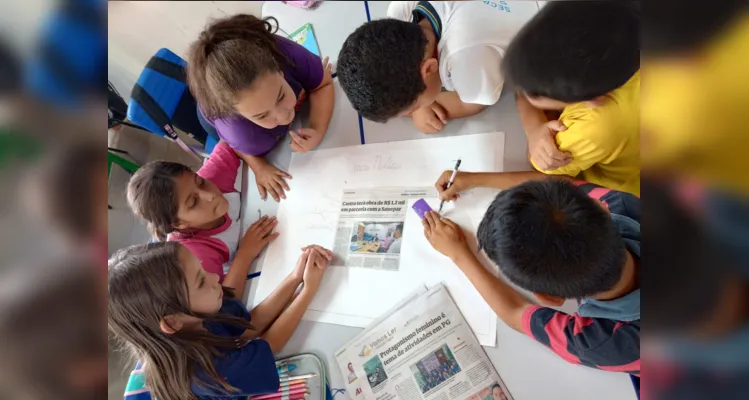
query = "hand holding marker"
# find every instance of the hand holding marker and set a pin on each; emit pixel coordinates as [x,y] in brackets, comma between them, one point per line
[450,182]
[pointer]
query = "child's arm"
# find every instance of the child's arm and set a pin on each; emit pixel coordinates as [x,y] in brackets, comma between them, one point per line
[283,327]
[498,180]
[433,117]
[257,236]
[456,108]
[269,179]
[269,309]
[448,238]
[508,304]
[221,167]
[540,132]
[321,101]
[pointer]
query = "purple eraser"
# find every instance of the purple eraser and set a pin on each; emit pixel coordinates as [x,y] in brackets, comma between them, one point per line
[421,207]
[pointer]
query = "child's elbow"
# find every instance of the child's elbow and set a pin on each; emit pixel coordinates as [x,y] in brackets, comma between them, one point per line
[275,345]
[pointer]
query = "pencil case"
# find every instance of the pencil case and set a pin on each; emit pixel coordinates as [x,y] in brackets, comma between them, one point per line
[308,363]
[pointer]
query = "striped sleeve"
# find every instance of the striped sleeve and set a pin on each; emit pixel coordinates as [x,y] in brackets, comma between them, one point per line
[594,342]
[616,201]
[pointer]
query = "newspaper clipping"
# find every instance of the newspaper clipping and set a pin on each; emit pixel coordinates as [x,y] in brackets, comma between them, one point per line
[370,226]
[422,349]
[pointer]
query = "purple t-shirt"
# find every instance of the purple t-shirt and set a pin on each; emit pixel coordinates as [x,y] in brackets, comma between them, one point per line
[245,136]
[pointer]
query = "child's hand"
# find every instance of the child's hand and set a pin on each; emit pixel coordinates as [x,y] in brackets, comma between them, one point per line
[462,182]
[304,140]
[445,236]
[543,149]
[315,266]
[270,180]
[431,118]
[257,236]
[327,68]
[298,272]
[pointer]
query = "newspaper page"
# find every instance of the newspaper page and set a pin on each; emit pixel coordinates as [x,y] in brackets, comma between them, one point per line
[423,349]
[370,226]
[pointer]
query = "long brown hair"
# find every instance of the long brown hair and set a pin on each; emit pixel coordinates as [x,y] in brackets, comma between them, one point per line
[147,283]
[227,57]
[151,195]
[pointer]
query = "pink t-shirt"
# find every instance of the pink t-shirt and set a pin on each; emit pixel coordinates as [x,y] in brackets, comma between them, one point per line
[216,247]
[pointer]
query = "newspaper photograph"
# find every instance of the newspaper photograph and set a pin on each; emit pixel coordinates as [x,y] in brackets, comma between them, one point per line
[422,349]
[370,226]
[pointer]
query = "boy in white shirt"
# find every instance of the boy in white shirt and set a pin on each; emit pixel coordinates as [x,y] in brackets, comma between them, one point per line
[398,66]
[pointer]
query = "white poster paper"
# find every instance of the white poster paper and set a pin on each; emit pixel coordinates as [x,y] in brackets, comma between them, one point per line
[310,214]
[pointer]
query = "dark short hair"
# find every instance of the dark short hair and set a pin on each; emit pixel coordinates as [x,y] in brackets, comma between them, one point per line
[379,67]
[549,237]
[575,50]
[664,35]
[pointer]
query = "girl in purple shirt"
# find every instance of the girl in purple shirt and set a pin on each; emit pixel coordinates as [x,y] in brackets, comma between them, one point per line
[248,83]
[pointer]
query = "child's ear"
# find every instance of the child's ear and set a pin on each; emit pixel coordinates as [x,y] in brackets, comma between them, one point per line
[429,67]
[170,324]
[549,300]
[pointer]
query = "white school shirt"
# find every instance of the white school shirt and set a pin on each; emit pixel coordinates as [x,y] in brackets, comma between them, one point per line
[475,35]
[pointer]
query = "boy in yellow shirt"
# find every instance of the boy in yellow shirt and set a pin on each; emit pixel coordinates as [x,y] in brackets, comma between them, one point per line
[581,58]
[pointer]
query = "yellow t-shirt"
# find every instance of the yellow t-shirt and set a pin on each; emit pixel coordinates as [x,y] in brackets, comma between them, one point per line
[604,141]
[694,111]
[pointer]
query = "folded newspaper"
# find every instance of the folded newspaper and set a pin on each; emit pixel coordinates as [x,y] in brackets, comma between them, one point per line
[421,349]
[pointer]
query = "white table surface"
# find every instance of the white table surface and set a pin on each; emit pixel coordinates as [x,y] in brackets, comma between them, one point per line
[528,368]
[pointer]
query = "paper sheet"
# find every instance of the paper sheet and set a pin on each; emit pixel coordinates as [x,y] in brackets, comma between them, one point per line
[309,215]
[437,268]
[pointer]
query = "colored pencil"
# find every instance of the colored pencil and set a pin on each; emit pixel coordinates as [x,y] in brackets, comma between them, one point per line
[295,396]
[295,377]
[292,387]
[292,383]
[279,394]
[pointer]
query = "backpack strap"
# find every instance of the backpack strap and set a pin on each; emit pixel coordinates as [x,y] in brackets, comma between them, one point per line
[158,115]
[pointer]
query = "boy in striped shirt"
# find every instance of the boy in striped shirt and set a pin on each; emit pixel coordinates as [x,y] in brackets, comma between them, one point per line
[559,240]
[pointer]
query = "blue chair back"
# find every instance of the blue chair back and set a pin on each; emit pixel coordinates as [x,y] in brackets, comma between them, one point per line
[161,100]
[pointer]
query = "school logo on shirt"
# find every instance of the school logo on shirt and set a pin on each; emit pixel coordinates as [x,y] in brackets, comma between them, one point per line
[499,5]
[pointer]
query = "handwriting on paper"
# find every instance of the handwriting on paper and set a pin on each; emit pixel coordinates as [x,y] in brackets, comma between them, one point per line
[381,162]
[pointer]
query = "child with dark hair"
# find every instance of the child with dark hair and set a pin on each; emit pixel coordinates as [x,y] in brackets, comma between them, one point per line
[191,336]
[248,83]
[397,66]
[582,59]
[551,238]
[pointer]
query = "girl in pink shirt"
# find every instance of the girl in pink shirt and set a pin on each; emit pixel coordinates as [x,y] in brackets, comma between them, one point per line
[201,211]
